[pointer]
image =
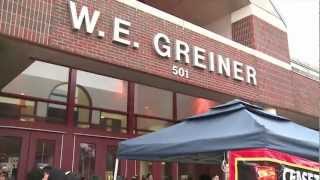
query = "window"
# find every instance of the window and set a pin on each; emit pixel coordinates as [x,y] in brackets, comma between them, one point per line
[38,93]
[145,125]
[57,112]
[13,108]
[101,102]
[113,122]
[153,102]
[188,106]
[87,160]
[82,115]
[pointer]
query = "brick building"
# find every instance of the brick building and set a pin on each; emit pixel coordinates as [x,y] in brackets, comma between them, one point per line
[79,76]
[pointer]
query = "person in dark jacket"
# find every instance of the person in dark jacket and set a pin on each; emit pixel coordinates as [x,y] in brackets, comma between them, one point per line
[35,174]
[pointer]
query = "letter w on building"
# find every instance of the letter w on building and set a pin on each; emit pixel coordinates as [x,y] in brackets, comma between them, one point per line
[77,20]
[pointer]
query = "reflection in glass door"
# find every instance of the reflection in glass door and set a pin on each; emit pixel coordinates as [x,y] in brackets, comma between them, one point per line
[44,155]
[87,160]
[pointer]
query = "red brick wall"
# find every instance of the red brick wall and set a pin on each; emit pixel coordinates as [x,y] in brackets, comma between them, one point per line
[306,92]
[258,34]
[276,86]
[26,19]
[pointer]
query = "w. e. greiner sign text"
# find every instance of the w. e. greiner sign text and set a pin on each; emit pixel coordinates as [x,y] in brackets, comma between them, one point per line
[167,48]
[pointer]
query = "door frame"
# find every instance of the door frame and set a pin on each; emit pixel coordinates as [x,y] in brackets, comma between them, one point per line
[29,139]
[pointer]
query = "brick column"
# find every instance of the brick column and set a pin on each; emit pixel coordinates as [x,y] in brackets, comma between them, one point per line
[258,33]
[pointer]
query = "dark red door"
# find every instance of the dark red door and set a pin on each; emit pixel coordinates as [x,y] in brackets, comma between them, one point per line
[22,150]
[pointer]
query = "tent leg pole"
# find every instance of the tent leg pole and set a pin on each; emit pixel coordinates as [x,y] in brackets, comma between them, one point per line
[227,174]
[116,169]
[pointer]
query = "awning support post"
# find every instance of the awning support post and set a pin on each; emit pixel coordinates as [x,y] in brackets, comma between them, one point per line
[116,169]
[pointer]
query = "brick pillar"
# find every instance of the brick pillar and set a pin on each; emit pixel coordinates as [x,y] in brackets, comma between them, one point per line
[258,33]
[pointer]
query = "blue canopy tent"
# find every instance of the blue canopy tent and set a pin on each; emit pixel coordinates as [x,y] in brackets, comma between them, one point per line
[234,125]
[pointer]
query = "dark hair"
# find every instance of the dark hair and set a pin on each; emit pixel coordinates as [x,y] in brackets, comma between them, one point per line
[47,169]
[148,175]
[35,174]
[5,174]
[205,177]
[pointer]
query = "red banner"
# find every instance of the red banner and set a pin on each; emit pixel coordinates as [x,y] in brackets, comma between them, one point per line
[265,164]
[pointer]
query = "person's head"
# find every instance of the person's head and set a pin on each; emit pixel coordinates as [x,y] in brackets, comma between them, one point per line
[205,177]
[149,176]
[46,172]
[3,175]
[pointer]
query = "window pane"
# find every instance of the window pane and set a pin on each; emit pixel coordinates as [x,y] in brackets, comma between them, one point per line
[10,155]
[87,159]
[153,102]
[112,122]
[44,153]
[145,125]
[82,117]
[24,110]
[55,113]
[16,108]
[101,91]
[188,105]
[40,79]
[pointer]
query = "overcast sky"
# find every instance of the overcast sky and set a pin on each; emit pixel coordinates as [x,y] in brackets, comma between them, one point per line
[302,18]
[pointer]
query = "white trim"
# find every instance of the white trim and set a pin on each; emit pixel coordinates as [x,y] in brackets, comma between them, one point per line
[61,150]
[73,152]
[308,71]
[92,135]
[260,13]
[175,20]
[33,129]
[116,166]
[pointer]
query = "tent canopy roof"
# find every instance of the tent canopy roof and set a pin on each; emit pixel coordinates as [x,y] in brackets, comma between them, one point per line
[234,125]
